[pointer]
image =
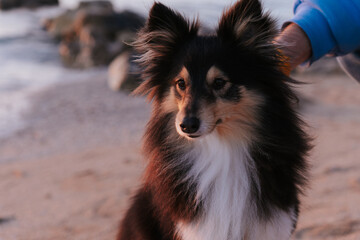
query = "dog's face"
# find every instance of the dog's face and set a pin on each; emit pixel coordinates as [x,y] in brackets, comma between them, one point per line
[212,83]
[205,98]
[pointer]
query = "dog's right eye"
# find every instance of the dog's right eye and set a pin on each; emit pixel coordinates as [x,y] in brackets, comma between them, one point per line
[219,83]
[181,84]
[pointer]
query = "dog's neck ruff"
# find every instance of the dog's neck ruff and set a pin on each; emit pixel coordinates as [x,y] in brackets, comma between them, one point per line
[222,172]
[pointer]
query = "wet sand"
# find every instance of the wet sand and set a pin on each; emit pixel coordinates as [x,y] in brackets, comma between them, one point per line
[69,175]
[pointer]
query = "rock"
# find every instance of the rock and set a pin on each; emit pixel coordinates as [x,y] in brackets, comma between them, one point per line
[7,219]
[9,4]
[68,52]
[93,34]
[97,6]
[61,26]
[123,73]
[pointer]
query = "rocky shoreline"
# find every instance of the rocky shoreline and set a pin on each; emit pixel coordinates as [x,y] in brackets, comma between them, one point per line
[94,34]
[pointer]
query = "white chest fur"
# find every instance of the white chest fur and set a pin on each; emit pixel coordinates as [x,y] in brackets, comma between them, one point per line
[222,171]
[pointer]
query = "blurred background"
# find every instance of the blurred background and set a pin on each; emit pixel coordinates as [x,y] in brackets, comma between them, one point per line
[70,134]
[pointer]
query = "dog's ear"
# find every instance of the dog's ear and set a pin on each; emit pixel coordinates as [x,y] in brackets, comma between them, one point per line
[164,30]
[158,42]
[246,24]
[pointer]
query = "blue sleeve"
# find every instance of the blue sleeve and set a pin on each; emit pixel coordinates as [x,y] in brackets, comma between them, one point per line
[333,26]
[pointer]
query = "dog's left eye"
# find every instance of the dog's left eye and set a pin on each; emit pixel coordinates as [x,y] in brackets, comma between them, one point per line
[219,83]
[181,84]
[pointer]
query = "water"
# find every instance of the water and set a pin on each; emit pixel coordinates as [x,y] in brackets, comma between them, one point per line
[29,59]
[21,54]
[29,62]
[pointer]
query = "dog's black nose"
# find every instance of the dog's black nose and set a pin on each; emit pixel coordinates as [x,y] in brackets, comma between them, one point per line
[190,124]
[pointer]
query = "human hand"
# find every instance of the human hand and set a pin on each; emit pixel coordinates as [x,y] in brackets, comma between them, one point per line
[294,46]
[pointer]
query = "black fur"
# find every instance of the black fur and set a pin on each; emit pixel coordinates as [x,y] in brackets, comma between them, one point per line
[250,59]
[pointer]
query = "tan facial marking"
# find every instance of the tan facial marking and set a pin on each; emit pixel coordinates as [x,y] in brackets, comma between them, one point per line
[184,74]
[239,120]
[214,73]
[170,102]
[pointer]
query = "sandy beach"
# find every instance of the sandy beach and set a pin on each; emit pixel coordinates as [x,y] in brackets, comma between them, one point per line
[70,173]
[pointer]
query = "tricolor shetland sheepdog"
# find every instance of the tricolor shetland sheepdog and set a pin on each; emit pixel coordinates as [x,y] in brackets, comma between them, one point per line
[226,148]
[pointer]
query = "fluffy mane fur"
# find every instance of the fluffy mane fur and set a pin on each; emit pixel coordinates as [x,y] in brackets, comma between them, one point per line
[242,178]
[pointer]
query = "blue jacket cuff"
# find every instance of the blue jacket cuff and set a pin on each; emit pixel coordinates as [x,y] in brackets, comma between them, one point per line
[316,27]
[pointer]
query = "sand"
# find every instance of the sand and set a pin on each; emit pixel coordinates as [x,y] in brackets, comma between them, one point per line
[70,173]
